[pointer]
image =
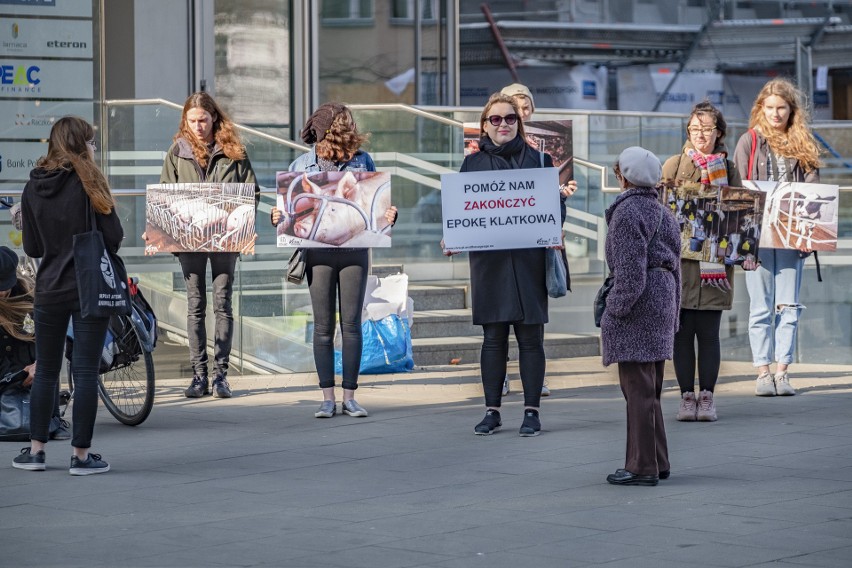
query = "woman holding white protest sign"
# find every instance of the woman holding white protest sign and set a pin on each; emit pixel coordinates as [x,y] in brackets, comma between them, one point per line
[778,147]
[508,286]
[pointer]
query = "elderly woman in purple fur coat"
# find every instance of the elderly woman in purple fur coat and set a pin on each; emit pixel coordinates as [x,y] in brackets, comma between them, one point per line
[641,316]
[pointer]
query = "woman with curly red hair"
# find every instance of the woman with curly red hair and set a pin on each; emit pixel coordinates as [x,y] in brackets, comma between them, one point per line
[336,273]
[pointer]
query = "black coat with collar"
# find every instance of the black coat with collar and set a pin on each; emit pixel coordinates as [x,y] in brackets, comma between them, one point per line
[508,285]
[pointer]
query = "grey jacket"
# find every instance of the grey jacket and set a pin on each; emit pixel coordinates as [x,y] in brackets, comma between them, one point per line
[759,169]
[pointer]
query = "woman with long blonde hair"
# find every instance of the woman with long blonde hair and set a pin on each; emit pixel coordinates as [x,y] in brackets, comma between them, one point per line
[779,147]
[64,191]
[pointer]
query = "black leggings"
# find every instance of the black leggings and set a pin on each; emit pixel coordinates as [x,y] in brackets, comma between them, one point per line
[495,349]
[703,325]
[337,276]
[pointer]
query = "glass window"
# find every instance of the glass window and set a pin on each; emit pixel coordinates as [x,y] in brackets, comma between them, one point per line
[346,10]
[403,10]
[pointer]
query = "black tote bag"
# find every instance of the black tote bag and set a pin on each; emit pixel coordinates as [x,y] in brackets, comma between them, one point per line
[101,276]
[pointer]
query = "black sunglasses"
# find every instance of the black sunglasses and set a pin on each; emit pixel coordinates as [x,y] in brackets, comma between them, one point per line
[496,119]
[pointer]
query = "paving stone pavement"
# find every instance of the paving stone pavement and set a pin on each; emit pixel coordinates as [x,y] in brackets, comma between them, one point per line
[256,480]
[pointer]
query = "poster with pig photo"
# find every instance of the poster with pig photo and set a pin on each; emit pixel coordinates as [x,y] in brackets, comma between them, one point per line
[333,209]
[798,215]
[718,224]
[554,137]
[200,217]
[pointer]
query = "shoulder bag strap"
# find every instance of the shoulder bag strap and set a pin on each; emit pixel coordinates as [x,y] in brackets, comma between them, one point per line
[751,155]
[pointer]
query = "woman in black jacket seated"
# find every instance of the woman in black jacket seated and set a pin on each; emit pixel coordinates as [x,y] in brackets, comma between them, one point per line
[508,286]
[17,339]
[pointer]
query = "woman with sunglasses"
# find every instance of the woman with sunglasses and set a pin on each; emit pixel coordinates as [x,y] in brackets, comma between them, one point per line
[508,286]
[706,288]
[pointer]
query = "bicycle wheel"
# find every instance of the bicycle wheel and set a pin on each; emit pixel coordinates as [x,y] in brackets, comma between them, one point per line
[127,388]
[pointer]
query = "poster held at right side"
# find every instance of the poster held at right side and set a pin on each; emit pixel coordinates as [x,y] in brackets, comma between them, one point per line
[799,215]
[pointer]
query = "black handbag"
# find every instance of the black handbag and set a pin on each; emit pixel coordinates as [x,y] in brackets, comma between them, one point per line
[556,274]
[296,267]
[14,408]
[101,276]
[600,298]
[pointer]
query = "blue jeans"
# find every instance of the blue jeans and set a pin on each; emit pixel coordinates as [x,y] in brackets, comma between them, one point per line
[194,267]
[51,326]
[774,310]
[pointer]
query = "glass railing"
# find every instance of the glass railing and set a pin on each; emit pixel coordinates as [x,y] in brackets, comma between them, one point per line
[273,317]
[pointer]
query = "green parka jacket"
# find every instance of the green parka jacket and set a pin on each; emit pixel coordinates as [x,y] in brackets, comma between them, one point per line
[180,166]
[693,295]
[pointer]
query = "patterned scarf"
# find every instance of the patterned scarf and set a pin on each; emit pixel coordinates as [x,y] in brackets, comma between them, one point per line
[714,170]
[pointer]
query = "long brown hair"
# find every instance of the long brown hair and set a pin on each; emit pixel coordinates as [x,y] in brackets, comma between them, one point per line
[342,139]
[67,150]
[501,98]
[14,310]
[796,141]
[224,131]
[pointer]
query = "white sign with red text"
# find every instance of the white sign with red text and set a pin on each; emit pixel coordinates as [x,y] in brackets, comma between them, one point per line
[501,209]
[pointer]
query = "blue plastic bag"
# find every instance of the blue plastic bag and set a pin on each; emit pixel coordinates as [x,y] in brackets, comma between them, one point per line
[387,347]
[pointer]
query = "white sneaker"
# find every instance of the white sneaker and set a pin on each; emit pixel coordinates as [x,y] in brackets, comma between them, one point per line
[506,385]
[765,386]
[687,409]
[782,385]
[706,407]
[544,390]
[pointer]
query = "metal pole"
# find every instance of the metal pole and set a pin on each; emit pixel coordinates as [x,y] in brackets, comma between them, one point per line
[418,47]
[498,38]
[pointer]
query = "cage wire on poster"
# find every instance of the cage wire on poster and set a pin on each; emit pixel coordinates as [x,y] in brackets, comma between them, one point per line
[214,217]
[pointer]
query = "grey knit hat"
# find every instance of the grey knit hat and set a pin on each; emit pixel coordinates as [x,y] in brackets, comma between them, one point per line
[640,167]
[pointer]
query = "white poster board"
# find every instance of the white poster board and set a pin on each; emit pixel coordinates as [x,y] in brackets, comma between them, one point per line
[798,215]
[501,209]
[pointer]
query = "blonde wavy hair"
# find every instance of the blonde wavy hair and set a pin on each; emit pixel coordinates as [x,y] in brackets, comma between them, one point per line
[15,309]
[796,141]
[501,98]
[67,150]
[342,140]
[224,131]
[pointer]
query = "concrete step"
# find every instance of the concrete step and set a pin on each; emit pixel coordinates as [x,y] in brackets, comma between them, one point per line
[443,323]
[455,350]
[428,297]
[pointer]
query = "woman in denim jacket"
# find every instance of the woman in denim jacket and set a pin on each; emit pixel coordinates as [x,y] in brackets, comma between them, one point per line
[336,273]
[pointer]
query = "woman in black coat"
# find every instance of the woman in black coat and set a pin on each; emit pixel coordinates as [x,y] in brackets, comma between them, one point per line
[508,286]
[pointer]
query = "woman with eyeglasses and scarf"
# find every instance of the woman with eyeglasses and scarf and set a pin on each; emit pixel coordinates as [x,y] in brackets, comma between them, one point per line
[508,286]
[706,288]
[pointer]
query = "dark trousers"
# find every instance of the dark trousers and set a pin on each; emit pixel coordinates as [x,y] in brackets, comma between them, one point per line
[495,350]
[337,276]
[51,326]
[647,450]
[194,267]
[702,325]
